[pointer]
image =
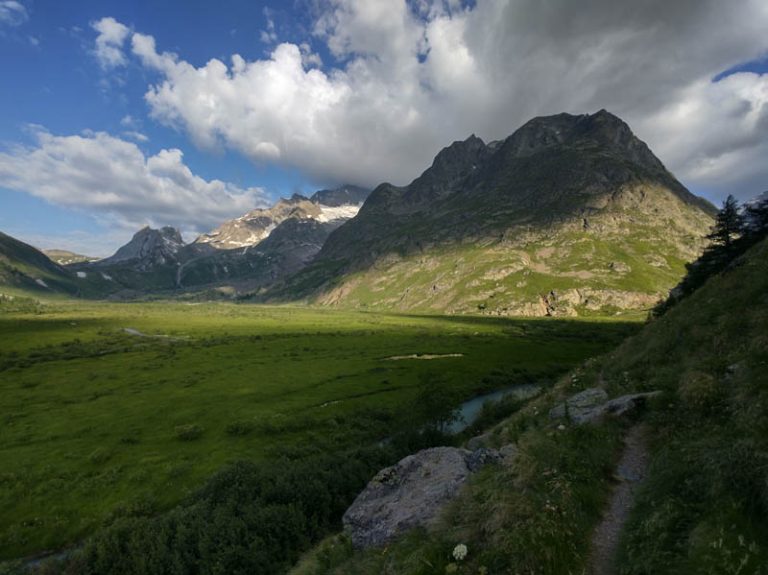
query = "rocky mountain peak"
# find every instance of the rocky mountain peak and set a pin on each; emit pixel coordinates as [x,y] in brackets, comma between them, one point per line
[459,154]
[295,199]
[149,247]
[252,228]
[341,196]
[583,132]
[450,168]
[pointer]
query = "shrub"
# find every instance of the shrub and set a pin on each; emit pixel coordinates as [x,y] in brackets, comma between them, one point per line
[188,432]
[240,428]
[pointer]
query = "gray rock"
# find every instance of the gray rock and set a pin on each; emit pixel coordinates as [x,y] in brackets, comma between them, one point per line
[411,493]
[581,405]
[592,405]
[482,457]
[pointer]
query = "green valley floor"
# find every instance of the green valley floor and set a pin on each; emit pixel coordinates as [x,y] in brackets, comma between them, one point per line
[110,410]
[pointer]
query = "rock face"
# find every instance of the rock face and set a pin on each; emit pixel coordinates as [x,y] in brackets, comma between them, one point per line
[324,206]
[569,215]
[412,492]
[346,195]
[593,404]
[149,248]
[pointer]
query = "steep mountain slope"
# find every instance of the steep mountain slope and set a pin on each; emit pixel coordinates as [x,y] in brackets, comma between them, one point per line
[570,214]
[27,269]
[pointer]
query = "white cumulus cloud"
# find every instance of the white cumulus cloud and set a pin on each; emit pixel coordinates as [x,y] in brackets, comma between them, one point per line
[410,77]
[113,177]
[12,13]
[109,42]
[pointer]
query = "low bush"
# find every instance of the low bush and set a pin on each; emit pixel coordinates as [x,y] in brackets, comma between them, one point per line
[188,432]
[240,428]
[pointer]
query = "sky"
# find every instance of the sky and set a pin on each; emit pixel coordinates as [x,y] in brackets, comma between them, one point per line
[124,113]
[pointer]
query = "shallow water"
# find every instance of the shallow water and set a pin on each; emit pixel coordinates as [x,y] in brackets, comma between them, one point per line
[470,410]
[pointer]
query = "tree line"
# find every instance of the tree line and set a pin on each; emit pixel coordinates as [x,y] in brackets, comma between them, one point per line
[736,229]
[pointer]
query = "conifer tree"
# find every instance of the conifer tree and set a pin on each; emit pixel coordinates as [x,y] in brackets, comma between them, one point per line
[729,224]
[757,216]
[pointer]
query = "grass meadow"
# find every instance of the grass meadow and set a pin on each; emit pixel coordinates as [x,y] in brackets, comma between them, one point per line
[96,422]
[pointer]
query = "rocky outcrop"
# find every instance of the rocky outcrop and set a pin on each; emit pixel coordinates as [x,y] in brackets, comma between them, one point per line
[412,492]
[568,302]
[592,405]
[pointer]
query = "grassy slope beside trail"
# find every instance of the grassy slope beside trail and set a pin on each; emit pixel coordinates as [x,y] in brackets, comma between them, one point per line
[704,506]
[96,423]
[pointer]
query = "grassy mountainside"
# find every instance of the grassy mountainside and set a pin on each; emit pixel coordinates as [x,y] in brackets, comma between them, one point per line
[570,214]
[704,506]
[24,269]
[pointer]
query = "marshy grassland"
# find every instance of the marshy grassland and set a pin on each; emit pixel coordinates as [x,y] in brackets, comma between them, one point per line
[111,409]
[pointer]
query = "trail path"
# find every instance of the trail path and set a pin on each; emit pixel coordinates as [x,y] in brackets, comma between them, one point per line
[631,470]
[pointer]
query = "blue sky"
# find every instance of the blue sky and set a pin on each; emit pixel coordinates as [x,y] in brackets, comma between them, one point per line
[124,113]
[57,83]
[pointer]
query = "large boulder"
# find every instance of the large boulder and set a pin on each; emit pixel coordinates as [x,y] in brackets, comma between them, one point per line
[593,404]
[580,407]
[412,492]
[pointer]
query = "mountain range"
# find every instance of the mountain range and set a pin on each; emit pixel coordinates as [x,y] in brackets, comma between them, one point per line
[569,215]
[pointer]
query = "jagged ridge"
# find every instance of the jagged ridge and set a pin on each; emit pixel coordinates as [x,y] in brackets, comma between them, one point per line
[568,209]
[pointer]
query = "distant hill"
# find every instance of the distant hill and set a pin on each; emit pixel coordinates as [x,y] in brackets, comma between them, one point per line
[65,257]
[568,215]
[27,269]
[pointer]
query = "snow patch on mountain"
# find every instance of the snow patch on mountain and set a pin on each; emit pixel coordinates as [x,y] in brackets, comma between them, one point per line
[333,213]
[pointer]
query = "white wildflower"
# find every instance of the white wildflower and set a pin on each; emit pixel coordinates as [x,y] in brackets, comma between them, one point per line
[460,552]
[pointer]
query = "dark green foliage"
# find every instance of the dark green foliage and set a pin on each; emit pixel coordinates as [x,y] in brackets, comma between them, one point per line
[729,224]
[435,401]
[249,518]
[732,235]
[188,432]
[240,428]
[757,215]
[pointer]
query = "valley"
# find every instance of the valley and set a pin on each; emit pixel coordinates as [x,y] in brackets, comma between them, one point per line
[121,410]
